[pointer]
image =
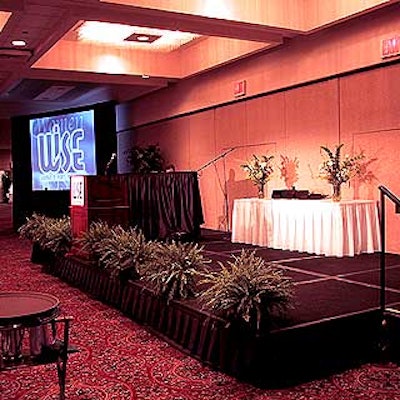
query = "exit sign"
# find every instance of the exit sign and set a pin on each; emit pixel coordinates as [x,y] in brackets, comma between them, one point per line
[239,88]
[391,46]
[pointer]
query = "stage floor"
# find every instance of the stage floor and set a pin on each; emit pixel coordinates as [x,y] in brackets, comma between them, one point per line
[325,287]
[336,320]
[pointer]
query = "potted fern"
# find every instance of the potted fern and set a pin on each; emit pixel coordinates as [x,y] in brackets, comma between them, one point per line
[33,228]
[88,242]
[175,269]
[58,237]
[124,252]
[50,236]
[247,289]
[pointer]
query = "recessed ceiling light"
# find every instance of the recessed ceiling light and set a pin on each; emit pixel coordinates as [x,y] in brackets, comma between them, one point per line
[18,43]
[145,76]
[143,38]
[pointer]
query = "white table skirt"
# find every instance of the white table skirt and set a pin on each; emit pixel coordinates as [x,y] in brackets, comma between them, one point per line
[321,227]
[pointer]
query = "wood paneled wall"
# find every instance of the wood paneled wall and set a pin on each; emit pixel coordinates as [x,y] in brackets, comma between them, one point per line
[359,110]
[310,92]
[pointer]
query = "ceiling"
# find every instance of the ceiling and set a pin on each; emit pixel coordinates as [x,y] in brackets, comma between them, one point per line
[55,69]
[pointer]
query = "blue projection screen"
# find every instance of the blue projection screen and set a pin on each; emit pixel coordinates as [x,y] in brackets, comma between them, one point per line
[62,146]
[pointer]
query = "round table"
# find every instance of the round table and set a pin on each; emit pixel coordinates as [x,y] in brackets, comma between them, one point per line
[21,310]
[27,308]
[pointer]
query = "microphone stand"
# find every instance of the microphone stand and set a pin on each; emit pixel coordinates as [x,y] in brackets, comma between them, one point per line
[113,156]
[225,189]
[222,155]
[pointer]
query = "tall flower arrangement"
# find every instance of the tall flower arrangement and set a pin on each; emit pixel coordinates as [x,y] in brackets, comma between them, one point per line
[259,170]
[337,169]
[288,168]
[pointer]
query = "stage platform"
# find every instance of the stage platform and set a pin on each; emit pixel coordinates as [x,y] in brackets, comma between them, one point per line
[335,322]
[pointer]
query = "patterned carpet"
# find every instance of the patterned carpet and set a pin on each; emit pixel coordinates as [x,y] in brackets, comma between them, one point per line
[119,360]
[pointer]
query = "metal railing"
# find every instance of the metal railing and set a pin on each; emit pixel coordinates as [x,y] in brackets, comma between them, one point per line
[384,192]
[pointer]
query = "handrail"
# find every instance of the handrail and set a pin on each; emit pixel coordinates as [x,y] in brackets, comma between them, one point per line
[390,195]
[396,200]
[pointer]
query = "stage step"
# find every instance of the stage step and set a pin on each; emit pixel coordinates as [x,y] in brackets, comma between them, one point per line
[390,338]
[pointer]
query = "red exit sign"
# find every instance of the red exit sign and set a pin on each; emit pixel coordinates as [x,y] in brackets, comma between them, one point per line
[391,46]
[239,88]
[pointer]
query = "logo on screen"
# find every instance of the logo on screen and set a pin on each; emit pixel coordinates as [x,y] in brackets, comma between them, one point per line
[62,146]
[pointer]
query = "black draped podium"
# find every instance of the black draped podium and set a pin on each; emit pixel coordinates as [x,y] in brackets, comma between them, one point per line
[164,204]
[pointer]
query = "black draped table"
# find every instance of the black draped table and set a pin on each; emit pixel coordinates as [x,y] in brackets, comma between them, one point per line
[164,204]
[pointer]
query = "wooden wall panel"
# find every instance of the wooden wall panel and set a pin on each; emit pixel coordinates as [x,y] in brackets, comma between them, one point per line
[293,123]
[370,101]
[370,119]
[311,121]
[381,149]
[266,126]
[230,135]
[173,139]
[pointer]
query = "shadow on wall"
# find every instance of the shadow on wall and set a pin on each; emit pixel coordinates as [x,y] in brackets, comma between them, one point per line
[234,190]
[366,179]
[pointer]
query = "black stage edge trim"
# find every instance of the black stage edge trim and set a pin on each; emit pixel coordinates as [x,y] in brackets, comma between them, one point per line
[334,325]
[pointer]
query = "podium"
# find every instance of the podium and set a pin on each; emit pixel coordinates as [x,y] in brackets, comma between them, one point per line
[96,198]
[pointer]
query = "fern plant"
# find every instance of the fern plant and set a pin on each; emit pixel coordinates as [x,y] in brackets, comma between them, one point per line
[34,228]
[124,252]
[58,237]
[52,234]
[247,288]
[89,241]
[174,270]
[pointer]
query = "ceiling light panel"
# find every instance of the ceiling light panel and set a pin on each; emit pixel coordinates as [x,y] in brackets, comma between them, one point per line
[104,32]
[128,36]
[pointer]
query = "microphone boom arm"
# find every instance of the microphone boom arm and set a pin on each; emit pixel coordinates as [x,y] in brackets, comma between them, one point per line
[222,155]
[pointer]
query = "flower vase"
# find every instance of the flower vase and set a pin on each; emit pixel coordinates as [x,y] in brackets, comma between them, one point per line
[337,194]
[260,191]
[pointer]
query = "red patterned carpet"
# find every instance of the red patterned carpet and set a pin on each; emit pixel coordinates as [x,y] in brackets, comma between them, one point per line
[119,360]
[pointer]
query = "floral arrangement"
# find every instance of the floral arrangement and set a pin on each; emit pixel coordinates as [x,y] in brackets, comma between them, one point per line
[337,170]
[259,169]
[288,170]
